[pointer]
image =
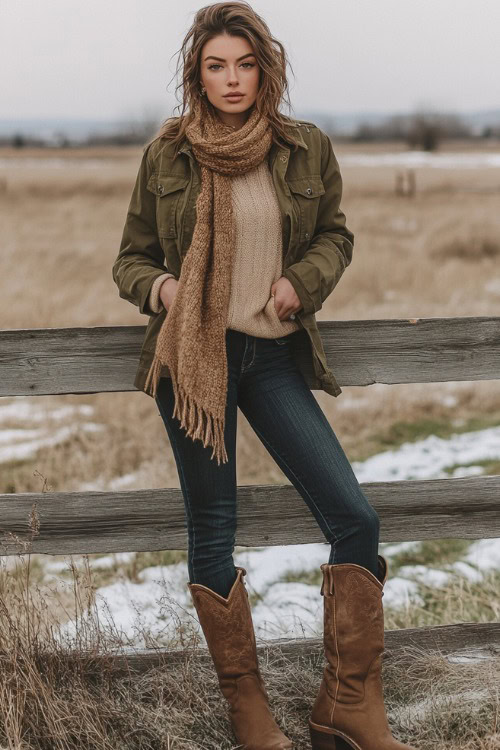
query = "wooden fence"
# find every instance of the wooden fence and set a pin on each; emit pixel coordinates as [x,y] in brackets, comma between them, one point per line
[360,352]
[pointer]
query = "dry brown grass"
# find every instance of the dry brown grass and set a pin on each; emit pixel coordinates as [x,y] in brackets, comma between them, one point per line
[434,255]
[66,694]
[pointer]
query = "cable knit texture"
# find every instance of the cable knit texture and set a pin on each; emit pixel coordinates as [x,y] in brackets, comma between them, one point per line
[257,258]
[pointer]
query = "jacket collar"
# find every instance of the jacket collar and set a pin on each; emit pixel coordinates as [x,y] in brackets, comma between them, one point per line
[294,129]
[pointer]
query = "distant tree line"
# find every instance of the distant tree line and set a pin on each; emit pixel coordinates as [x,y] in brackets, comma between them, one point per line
[20,140]
[421,129]
[128,133]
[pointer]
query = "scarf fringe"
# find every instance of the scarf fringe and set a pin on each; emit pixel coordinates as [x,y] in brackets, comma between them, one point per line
[153,376]
[193,418]
[199,423]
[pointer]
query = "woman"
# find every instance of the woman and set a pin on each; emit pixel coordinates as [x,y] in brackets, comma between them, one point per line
[243,204]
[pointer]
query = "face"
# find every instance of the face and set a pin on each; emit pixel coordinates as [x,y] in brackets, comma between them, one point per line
[228,65]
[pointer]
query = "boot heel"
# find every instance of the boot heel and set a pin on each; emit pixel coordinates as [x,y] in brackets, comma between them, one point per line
[324,741]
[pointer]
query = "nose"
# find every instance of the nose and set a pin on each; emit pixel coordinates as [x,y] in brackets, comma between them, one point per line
[232,76]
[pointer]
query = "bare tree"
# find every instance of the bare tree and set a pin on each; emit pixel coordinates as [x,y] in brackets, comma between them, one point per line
[421,129]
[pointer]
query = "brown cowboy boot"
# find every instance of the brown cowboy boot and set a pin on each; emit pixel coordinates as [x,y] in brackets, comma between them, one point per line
[349,710]
[228,628]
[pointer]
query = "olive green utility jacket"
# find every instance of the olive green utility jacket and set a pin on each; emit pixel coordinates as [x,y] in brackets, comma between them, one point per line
[317,246]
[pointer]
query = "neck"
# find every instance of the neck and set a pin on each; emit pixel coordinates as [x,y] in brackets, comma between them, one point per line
[235,120]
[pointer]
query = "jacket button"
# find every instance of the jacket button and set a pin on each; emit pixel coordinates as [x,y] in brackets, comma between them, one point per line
[160,189]
[306,235]
[309,191]
[284,157]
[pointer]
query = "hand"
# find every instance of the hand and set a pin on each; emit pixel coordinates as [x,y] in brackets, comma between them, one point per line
[168,291]
[286,301]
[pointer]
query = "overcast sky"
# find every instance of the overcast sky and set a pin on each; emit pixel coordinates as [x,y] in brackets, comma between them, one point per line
[116,58]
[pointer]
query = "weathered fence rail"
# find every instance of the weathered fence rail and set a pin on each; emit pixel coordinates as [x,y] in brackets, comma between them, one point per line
[44,361]
[361,352]
[146,520]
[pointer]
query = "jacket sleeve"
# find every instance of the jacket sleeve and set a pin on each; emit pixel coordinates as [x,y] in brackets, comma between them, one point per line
[140,259]
[317,273]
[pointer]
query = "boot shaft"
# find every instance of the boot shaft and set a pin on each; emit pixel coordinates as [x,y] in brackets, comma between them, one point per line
[228,627]
[349,709]
[353,627]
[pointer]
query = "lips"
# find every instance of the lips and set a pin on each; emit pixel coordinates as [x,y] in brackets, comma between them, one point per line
[233,96]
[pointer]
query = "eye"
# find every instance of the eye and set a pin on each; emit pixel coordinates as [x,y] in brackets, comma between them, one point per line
[217,65]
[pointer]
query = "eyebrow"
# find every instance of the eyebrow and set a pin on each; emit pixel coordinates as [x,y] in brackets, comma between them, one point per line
[221,59]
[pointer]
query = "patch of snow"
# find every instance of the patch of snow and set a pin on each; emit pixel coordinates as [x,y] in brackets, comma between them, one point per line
[24,409]
[450,160]
[466,571]
[469,656]
[387,549]
[120,482]
[16,435]
[107,561]
[265,565]
[55,162]
[399,592]
[34,440]
[130,608]
[484,554]
[95,485]
[428,458]
[466,471]
[425,574]
[293,610]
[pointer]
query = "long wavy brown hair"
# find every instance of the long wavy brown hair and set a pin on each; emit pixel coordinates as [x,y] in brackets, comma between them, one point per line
[235,19]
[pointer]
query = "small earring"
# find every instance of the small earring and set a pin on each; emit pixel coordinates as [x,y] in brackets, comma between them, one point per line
[203,90]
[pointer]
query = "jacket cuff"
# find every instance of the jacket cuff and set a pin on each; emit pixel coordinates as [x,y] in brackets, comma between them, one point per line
[300,290]
[154,300]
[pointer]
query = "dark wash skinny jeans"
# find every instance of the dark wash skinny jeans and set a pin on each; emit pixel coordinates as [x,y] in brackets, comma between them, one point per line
[264,381]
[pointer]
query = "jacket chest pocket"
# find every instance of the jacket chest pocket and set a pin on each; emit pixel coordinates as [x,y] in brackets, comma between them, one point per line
[170,191]
[306,192]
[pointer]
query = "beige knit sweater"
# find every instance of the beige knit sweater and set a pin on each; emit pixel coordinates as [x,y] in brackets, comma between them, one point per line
[257,261]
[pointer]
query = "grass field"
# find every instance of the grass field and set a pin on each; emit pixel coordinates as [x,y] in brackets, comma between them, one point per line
[436,254]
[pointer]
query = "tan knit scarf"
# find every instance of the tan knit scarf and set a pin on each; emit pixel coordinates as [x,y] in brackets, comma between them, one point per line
[192,339]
